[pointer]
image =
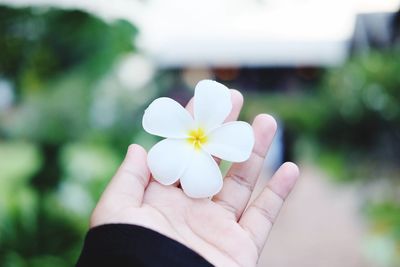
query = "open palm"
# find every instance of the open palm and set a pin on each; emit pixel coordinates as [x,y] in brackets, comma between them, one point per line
[225,229]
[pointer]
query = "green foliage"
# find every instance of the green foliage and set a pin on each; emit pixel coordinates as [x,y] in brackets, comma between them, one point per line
[386,218]
[352,117]
[350,125]
[59,63]
[385,223]
[39,45]
[366,99]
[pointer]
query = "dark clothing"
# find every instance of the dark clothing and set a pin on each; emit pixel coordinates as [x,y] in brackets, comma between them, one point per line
[132,245]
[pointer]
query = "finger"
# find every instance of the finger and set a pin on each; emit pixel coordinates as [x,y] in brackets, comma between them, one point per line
[242,177]
[132,177]
[257,220]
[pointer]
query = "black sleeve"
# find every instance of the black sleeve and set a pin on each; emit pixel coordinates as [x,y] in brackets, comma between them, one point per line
[132,245]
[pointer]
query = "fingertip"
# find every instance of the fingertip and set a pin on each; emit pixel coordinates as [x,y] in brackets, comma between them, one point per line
[237,103]
[284,179]
[266,121]
[264,127]
[291,169]
[135,162]
[135,149]
[189,106]
[237,97]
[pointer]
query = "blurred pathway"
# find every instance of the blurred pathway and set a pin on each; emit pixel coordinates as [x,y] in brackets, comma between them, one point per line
[319,226]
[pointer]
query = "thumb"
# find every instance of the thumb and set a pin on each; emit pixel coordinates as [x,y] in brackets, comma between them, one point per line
[131,178]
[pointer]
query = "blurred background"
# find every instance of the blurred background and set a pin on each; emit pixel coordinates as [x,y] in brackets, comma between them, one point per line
[75,77]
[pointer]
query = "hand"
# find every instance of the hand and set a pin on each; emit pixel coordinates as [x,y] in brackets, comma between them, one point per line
[220,229]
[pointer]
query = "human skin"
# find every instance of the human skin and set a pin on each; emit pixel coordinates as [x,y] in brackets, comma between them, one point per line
[226,230]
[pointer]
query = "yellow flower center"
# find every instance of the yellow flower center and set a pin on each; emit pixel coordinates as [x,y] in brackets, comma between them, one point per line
[197,138]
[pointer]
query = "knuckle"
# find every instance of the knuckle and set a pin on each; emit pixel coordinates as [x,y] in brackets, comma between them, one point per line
[266,213]
[228,206]
[241,181]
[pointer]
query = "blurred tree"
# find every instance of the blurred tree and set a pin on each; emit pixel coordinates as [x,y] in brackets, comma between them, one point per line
[56,62]
[351,120]
[39,45]
[350,125]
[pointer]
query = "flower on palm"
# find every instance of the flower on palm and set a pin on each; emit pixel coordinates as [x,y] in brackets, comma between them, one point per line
[186,153]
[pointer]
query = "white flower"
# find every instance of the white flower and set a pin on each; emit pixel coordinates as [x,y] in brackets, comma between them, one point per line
[190,143]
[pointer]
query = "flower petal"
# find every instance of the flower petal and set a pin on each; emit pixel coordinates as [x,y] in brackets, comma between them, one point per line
[212,103]
[167,118]
[168,159]
[233,141]
[202,177]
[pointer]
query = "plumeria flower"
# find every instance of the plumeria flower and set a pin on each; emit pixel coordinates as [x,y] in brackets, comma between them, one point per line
[190,143]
